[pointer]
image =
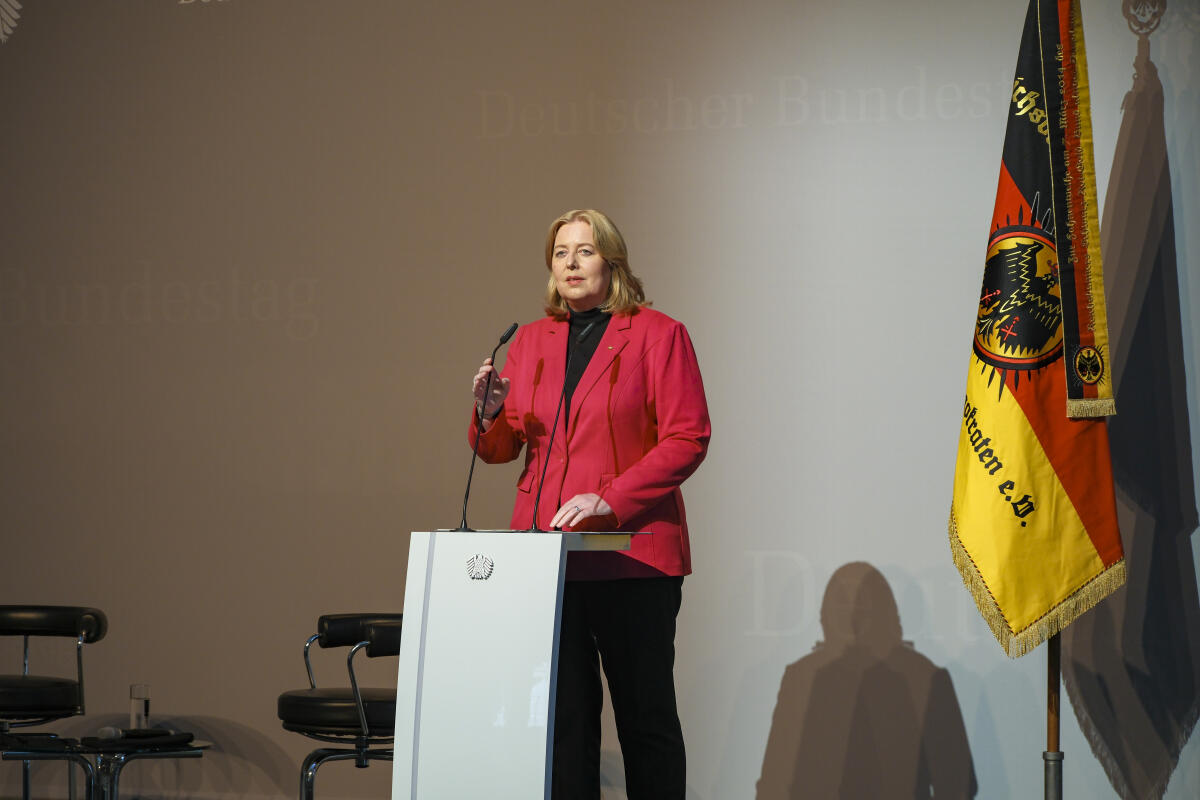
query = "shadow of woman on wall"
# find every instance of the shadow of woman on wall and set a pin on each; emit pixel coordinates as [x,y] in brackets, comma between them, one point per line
[864,715]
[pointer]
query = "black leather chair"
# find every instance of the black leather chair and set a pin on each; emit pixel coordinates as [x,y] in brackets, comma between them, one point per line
[28,699]
[361,720]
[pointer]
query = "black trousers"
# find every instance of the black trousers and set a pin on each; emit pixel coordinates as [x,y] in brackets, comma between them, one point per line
[629,625]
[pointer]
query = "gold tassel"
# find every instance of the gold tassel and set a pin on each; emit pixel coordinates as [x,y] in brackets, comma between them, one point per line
[1091,407]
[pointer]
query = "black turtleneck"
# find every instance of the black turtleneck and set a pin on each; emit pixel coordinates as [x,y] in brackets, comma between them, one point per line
[580,354]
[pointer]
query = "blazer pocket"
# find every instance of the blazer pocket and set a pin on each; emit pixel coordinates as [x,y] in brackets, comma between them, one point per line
[525,482]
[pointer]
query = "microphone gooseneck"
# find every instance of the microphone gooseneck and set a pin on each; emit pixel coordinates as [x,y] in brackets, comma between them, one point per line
[553,430]
[487,387]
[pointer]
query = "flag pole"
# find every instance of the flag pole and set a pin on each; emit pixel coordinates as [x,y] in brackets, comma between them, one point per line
[1053,757]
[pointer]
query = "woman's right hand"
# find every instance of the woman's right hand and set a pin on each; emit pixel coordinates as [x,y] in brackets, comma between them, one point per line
[495,394]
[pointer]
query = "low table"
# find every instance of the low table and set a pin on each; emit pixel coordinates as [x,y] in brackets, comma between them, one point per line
[101,760]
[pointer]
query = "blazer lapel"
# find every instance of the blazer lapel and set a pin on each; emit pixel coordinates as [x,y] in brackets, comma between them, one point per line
[553,348]
[616,336]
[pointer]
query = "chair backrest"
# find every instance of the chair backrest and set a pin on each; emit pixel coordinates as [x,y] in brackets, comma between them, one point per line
[345,630]
[72,621]
[383,638]
[32,699]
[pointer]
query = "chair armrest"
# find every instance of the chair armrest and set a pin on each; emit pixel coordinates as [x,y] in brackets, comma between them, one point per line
[344,630]
[383,638]
[90,624]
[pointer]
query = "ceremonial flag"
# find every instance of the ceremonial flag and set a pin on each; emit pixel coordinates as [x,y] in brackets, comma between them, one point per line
[1033,526]
[1132,666]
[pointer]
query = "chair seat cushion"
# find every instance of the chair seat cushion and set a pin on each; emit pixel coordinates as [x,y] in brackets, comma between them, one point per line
[334,711]
[25,696]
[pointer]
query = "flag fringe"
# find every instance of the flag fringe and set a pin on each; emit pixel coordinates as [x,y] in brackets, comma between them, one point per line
[1091,407]
[1113,766]
[1018,643]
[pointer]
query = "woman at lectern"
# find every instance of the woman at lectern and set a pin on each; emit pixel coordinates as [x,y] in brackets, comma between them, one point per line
[633,426]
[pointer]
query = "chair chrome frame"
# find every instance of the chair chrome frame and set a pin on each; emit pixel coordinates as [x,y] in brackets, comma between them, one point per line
[86,625]
[379,635]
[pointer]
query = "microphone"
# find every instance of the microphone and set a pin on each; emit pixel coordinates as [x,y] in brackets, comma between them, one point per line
[504,337]
[558,410]
[487,387]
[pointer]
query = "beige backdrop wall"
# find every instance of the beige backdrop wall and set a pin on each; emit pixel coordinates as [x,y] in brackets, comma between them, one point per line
[253,250]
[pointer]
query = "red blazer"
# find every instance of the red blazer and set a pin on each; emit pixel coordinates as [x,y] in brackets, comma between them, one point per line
[637,427]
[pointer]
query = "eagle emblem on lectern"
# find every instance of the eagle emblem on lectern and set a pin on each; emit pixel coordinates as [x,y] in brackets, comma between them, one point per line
[479,567]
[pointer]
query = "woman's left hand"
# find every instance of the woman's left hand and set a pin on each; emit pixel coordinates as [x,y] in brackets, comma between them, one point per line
[579,508]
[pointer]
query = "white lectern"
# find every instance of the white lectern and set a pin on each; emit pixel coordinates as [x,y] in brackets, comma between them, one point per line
[475,688]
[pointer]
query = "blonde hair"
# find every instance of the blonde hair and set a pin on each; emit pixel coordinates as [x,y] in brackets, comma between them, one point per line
[625,293]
